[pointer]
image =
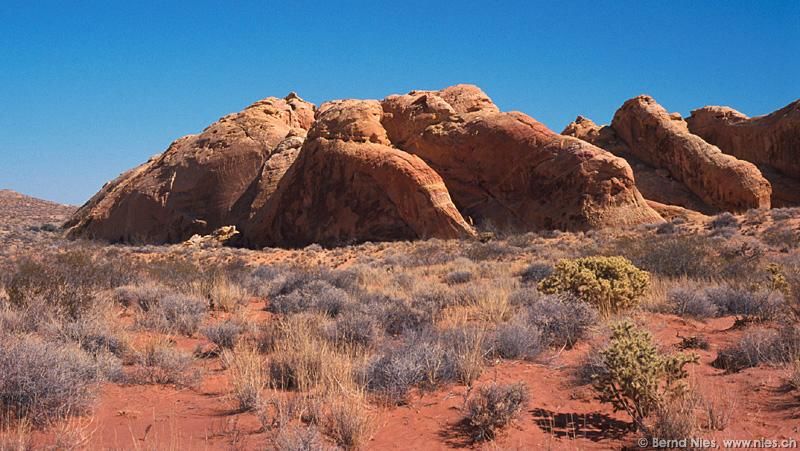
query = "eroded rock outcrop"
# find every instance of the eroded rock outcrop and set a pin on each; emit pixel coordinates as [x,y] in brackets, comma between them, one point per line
[425,164]
[772,142]
[773,139]
[349,184]
[655,184]
[201,182]
[509,170]
[663,141]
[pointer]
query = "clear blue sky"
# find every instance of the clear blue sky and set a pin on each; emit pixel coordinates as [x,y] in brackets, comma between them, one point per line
[89,89]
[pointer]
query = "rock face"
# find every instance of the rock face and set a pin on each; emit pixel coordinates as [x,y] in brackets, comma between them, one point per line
[349,184]
[656,184]
[218,238]
[410,166]
[772,142]
[510,171]
[201,182]
[663,140]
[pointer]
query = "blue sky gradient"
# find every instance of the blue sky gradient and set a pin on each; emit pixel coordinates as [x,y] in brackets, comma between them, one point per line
[90,89]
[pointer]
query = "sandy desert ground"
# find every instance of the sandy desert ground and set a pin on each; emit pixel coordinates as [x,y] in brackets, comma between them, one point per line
[386,345]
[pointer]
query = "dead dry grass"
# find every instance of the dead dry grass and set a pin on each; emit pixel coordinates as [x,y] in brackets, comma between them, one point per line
[348,332]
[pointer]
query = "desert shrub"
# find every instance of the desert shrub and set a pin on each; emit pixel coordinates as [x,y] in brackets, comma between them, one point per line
[780,214]
[692,303]
[781,237]
[674,419]
[144,296]
[316,296]
[524,297]
[222,292]
[424,253]
[561,319]
[421,362]
[458,277]
[535,272]
[11,321]
[493,250]
[790,269]
[44,381]
[16,436]
[173,272]
[296,438]
[248,376]
[760,346]
[94,335]
[354,328]
[718,412]
[225,334]
[666,228]
[740,260]
[694,342]
[303,360]
[467,347]
[68,281]
[754,347]
[637,378]
[397,316]
[348,421]
[161,363]
[724,220]
[432,301]
[611,284]
[517,340]
[175,313]
[794,375]
[763,304]
[295,279]
[521,240]
[493,408]
[591,366]
[489,300]
[670,255]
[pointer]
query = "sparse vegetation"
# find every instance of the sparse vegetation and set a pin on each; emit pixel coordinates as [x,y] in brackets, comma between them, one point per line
[517,340]
[493,408]
[692,303]
[760,345]
[299,438]
[611,284]
[42,381]
[175,313]
[670,255]
[535,273]
[724,220]
[406,324]
[561,319]
[160,363]
[348,421]
[225,334]
[248,375]
[637,378]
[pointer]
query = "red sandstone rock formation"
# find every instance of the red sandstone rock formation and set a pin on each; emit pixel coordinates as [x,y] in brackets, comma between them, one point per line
[663,140]
[405,168]
[349,184]
[655,184]
[509,170]
[201,182]
[772,142]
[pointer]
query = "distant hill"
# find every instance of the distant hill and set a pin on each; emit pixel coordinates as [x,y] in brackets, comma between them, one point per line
[19,209]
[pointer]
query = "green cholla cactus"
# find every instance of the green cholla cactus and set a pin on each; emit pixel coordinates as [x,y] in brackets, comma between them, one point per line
[611,284]
[777,280]
[636,378]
